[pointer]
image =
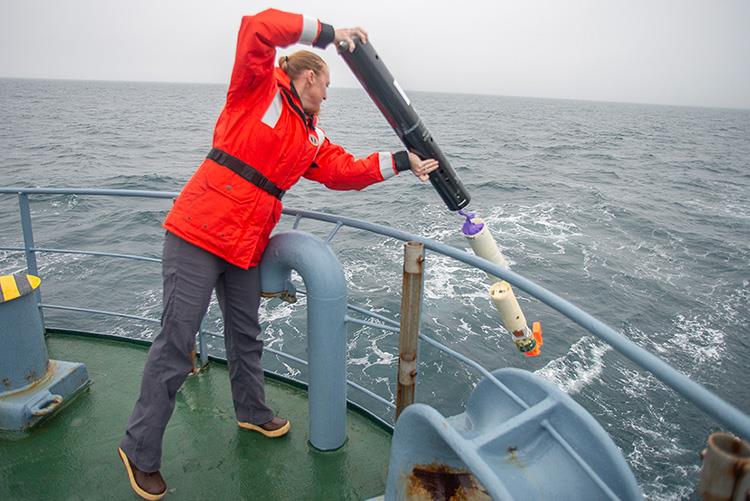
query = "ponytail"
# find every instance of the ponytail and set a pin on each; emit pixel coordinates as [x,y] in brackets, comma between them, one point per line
[301,61]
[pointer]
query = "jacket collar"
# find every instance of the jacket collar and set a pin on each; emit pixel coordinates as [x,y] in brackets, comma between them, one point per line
[282,78]
[287,88]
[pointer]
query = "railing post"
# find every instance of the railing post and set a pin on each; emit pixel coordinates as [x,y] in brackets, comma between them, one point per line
[726,468]
[411,307]
[28,245]
[202,342]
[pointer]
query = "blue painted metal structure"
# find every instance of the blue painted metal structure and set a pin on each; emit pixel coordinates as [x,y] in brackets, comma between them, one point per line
[521,437]
[723,412]
[31,385]
[324,279]
[23,357]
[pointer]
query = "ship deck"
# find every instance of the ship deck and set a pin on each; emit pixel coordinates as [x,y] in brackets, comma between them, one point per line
[72,455]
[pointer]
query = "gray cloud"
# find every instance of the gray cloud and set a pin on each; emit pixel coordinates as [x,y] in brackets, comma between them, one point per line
[668,51]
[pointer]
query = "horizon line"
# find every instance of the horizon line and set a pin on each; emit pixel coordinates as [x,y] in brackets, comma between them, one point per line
[104,80]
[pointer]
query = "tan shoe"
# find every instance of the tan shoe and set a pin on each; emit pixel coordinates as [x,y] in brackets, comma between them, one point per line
[149,486]
[272,429]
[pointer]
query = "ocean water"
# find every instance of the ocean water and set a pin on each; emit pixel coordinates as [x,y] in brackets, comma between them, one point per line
[639,214]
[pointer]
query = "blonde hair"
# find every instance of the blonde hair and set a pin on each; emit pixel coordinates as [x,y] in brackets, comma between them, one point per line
[300,61]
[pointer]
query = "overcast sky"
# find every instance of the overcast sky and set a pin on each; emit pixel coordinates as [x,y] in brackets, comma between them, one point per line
[688,52]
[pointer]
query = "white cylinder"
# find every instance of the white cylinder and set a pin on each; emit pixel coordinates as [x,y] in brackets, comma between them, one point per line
[484,246]
[506,303]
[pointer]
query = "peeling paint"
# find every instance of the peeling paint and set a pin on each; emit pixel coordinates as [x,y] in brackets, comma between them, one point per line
[439,482]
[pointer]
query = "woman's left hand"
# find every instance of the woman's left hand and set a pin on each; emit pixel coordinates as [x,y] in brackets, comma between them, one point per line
[422,168]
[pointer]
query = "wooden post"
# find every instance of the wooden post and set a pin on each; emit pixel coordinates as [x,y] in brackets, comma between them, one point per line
[411,306]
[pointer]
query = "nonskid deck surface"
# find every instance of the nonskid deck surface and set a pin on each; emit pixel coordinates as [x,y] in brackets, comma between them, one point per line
[206,456]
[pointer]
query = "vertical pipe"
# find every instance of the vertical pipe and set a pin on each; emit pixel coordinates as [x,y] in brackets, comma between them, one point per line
[28,245]
[411,306]
[324,280]
[202,342]
[326,350]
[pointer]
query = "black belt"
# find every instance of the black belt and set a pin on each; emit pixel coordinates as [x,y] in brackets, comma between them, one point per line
[245,171]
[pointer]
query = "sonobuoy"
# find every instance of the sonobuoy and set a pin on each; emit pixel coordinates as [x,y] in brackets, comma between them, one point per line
[482,242]
[528,341]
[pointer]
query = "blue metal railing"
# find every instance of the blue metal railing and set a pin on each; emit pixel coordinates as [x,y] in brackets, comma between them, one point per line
[725,413]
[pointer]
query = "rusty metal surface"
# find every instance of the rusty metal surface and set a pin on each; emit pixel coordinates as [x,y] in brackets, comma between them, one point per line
[725,474]
[35,383]
[439,482]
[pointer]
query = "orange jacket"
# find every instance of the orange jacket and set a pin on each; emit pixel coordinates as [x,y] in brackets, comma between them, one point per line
[263,124]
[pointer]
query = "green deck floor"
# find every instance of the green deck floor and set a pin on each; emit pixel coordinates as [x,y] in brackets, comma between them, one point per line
[206,456]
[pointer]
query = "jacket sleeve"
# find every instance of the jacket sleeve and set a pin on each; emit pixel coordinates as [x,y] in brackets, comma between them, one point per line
[337,169]
[258,38]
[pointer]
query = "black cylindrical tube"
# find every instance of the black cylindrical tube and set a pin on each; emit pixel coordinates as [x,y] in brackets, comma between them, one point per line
[395,105]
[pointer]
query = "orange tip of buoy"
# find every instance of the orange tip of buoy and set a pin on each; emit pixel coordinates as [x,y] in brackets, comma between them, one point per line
[536,331]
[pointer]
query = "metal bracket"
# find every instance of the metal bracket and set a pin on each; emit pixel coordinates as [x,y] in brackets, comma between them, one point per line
[289,294]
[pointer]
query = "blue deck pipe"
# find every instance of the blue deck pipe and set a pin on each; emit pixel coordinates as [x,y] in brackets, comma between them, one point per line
[324,280]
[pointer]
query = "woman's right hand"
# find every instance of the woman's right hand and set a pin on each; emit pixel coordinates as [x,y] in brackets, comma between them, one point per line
[347,35]
[422,168]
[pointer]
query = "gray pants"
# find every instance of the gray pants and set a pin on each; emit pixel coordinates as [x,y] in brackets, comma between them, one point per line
[190,275]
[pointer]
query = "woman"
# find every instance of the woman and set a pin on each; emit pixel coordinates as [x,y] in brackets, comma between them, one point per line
[265,139]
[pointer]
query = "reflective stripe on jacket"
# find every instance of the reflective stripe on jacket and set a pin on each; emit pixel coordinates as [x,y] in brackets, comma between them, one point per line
[263,124]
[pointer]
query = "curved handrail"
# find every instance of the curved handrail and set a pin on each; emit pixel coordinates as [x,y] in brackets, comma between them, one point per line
[710,403]
[17,190]
[724,412]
